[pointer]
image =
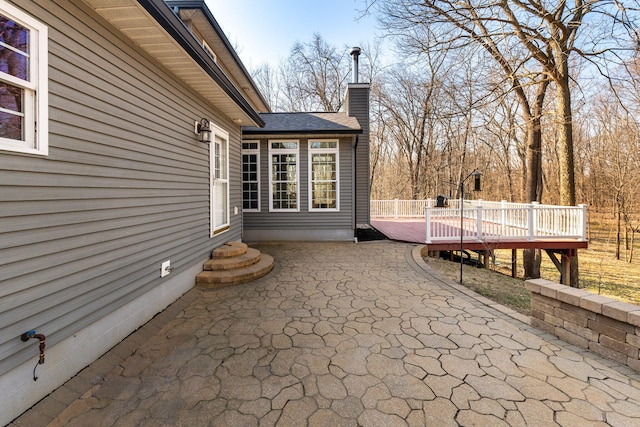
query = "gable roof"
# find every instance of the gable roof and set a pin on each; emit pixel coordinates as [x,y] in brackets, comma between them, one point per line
[316,123]
[152,25]
[196,13]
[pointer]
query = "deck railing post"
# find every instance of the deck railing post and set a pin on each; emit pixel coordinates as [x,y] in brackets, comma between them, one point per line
[395,208]
[503,217]
[427,220]
[479,222]
[583,221]
[532,220]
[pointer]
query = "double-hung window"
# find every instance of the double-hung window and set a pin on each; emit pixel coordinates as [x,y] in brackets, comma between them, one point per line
[219,171]
[23,82]
[284,176]
[251,176]
[323,175]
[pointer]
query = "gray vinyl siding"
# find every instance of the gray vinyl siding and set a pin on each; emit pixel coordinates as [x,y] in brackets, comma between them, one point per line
[358,106]
[125,186]
[302,220]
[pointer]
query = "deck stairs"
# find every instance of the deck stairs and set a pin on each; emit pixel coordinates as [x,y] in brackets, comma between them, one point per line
[233,263]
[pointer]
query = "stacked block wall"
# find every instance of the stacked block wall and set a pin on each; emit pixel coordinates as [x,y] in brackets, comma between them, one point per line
[603,325]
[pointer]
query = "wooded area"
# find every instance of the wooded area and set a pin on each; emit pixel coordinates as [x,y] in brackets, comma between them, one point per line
[541,97]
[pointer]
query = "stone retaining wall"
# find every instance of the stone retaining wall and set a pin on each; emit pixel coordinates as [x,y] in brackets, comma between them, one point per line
[605,326]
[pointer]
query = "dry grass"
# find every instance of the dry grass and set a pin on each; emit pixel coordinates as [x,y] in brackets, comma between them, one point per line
[600,272]
[491,284]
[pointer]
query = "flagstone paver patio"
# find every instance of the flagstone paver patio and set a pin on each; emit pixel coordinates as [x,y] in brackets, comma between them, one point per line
[352,335]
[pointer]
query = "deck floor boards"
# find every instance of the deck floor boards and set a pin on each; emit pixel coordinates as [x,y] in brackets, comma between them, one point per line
[414,231]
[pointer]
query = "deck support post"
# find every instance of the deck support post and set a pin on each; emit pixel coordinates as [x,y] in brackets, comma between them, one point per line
[567,259]
[514,263]
[486,259]
[565,278]
[564,264]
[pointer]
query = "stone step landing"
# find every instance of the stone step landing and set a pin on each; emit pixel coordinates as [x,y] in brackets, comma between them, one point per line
[233,263]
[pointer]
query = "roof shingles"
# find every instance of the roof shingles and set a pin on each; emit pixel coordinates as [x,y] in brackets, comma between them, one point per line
[305,123]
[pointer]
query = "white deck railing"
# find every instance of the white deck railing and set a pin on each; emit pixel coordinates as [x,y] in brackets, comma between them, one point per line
[493,221]
[400,208]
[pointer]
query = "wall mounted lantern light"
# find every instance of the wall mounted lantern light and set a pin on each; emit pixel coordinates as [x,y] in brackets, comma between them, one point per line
[203,129]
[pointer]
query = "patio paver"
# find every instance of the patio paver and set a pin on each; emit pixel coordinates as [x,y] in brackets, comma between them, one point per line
[344,334]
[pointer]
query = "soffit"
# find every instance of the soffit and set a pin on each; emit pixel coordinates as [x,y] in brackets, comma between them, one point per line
[131,18]
[226,60]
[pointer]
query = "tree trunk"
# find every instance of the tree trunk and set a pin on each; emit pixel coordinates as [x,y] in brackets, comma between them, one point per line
[565,149]
[532,257]
[534,145]
[565,143]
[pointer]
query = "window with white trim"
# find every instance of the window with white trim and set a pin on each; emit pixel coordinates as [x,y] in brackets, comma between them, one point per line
[284,176]
[23,82]
[251,176]
[219,171]
[323,175]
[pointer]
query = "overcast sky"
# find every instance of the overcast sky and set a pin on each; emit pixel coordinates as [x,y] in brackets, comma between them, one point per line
[265,30]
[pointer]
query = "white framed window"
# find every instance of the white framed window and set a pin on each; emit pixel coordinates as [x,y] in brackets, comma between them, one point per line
[251,176]
[23,82]
[324,184]
[219,182]
[284,176]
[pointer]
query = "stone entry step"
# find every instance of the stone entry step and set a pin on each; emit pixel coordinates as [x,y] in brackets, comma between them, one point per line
[251,256]
[233,263]
[229,249]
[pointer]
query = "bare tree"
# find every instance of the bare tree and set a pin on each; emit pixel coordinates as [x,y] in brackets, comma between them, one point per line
[503,137]
[315,76]
[614,162]
[266,78]
[519,35]
[408,101]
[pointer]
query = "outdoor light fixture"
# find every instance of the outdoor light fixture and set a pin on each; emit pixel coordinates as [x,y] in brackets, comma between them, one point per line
[476,181]
[203,129]
[476,187]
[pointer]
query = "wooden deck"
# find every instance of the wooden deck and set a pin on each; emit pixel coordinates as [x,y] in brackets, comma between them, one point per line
[413,231]
[482,226]
[408,230]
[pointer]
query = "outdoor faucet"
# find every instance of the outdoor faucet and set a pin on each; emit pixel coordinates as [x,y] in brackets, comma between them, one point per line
[40,337]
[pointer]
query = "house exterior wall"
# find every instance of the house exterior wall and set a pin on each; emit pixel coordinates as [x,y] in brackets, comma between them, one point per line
[357,105]
[84,230]
[305,224]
